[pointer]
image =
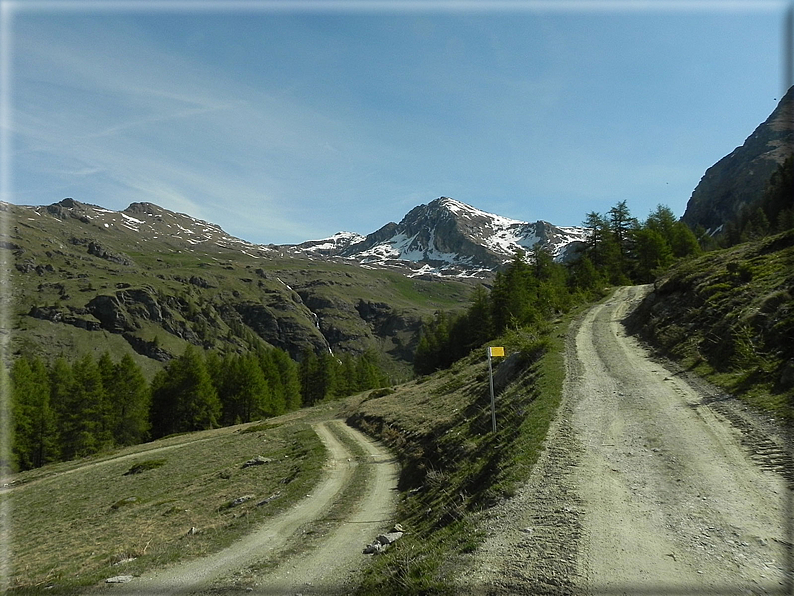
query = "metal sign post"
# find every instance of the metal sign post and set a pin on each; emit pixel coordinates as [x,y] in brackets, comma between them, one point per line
[493,351]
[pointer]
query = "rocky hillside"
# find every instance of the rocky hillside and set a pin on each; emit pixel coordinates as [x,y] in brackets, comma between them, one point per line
[741,177]
[147,280]
[447,238]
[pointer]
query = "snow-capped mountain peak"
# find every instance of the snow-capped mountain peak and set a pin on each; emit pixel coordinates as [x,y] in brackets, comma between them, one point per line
[448,237]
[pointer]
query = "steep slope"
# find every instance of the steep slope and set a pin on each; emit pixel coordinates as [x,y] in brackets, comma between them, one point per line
[729,315]
[741,177]
[449,238]
[147,280]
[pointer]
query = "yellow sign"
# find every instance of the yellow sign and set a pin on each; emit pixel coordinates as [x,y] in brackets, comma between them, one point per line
[494,351]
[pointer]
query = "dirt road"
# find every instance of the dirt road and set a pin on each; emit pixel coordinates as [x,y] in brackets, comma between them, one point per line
[327,567]
[644,488]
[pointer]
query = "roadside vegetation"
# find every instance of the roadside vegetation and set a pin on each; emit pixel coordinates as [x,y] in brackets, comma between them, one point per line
[453,464]
[729,317]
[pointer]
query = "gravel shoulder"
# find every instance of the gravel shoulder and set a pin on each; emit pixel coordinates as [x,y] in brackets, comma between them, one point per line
[327,567]
[647,485]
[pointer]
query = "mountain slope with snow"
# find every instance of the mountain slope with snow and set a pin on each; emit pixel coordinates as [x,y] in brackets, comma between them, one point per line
[449,238]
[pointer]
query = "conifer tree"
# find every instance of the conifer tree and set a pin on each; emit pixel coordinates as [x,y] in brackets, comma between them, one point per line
[683,241]
[35,433]
[276,366]
[598,232]
[368,374]
[106,369]
[268,361]
[290,381]
[425,354]
[621,225]
[326,375]
[184,397]
[61,383]
[347,381]
[86,425]
[651,252]
[247,394]
[311,389]
[23,388]
[130,398]
[513,295]
[479,315]
[215,367]
[163,407]
[583,276]
[663,221]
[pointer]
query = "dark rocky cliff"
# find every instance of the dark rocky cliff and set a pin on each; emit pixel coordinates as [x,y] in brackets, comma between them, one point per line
[741,177]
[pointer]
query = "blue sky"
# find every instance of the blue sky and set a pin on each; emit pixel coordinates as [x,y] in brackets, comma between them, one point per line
[289,122]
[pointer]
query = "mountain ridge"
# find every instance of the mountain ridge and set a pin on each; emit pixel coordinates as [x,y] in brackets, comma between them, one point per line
[447,237]
[147,281]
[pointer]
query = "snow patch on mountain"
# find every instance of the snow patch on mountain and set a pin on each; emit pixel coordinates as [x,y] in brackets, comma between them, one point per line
[449,238]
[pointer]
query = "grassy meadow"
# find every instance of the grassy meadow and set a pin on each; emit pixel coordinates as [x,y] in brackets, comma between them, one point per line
[77,523]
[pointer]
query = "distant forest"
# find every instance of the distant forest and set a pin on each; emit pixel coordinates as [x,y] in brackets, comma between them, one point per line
[63,411]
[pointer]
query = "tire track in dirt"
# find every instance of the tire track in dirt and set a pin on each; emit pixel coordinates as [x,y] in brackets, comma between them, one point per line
[326,566]
[644,488]
[331,567]
[672,502]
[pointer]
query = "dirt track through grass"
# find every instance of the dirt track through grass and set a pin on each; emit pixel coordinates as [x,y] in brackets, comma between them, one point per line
[325,567]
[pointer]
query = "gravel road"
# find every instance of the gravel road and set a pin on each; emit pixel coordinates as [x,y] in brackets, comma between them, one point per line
[326,568]
[645,487]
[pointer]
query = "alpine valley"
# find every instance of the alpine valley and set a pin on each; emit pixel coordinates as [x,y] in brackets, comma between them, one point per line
[148,281]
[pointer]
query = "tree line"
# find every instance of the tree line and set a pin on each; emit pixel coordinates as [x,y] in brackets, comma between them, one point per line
[63,410]
[533,288]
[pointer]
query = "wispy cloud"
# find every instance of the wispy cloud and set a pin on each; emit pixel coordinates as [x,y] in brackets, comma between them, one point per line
[153,125]
[282,127]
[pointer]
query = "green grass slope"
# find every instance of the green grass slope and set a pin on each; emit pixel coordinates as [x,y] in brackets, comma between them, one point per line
[729,317]
[86,279]
[76,523]
[453,464]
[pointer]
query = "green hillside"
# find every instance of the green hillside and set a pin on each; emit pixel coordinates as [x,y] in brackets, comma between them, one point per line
[147,281]
[729,316]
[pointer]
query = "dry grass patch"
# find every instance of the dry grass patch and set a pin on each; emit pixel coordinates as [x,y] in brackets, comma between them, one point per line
[84,524]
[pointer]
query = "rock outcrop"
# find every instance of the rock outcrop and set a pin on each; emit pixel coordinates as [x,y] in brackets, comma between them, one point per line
[741,177]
